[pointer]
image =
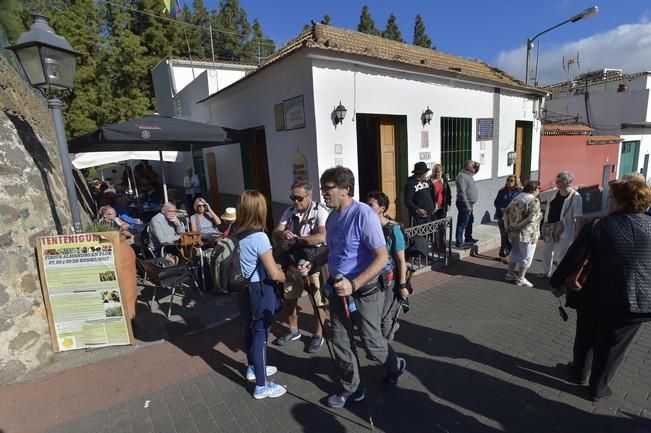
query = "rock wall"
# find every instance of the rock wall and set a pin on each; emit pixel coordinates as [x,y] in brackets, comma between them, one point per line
[33,203]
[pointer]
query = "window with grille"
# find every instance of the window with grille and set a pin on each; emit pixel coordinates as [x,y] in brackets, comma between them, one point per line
[456,143]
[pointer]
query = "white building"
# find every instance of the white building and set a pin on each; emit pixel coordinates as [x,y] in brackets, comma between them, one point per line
[288,104]
[611,103]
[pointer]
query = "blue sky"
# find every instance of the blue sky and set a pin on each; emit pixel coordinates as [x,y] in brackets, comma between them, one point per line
[491,30]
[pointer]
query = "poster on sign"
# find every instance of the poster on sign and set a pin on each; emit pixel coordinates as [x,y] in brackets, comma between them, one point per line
[83,299]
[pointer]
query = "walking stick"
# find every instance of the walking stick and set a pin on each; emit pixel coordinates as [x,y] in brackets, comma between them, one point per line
[306,282]
[353,348]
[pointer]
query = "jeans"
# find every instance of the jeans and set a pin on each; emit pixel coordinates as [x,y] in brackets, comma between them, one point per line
[257,320]
[465,219]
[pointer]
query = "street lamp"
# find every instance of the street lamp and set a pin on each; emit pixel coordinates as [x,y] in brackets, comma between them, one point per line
[49,63]
[589,12]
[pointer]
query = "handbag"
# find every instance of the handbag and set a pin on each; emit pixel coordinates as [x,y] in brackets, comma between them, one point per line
[551,232]
[577,279]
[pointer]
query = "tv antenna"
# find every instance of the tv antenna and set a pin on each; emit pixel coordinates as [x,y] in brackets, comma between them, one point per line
[568,62]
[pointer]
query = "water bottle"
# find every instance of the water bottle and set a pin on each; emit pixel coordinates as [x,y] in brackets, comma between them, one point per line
[351,301]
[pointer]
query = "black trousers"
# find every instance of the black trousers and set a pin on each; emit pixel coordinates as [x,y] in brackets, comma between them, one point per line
[599,346]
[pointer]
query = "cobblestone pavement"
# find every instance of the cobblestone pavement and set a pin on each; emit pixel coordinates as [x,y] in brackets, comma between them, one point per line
[481,355]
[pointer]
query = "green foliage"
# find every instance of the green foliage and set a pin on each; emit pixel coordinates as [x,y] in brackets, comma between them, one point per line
[10,19]
[366,23]
[392,32]
[121,45]
[420,34]
[98,227]
[326,20]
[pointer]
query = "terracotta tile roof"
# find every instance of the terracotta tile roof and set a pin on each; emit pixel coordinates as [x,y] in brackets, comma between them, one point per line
[604,139]
[338,40]
[565,129]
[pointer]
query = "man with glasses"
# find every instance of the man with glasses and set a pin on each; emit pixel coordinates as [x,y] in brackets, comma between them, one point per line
[357,252]
[300,234]
[165,227]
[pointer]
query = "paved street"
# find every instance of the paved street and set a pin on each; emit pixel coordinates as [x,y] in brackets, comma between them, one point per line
[481,357]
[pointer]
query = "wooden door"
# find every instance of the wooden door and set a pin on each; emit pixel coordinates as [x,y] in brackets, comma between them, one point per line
[388,181]
[213,188]
[519,151]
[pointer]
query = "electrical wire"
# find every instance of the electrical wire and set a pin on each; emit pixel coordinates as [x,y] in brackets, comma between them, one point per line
[184,23]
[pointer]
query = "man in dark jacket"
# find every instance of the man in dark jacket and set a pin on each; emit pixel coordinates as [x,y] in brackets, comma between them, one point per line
[418,195]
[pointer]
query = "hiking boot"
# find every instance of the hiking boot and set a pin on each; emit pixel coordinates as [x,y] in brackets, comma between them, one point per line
[315,344]
[596,396]
[392,379]
[250,373]
[339,400]
[523,282]
[271,390]
[288,338]
[510,276]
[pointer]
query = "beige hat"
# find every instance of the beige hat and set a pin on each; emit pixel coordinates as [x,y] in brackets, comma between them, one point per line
[229,214]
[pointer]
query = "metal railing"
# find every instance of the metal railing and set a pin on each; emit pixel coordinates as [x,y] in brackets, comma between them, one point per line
[438,235]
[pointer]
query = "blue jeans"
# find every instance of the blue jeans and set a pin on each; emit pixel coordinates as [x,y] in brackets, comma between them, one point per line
[257,313]
[464,223]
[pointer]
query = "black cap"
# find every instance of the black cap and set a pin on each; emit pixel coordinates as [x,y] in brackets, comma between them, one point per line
[420,168]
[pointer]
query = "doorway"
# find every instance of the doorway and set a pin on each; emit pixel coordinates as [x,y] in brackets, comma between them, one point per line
[382,159]
[255,167]
[523,140]
[628,157]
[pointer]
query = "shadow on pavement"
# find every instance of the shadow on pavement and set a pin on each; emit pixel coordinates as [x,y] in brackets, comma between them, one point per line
[514,407]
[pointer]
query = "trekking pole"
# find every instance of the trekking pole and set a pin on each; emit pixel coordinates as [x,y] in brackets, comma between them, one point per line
[402,301]
[306,282]
[353,348]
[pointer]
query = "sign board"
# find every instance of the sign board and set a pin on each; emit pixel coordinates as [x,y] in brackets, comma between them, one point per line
[294,113]
[80,286]
[424,156]
[279,116]
[485,129]
[299,167]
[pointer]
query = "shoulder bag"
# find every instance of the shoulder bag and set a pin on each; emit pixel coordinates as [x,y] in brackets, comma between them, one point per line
[551,232]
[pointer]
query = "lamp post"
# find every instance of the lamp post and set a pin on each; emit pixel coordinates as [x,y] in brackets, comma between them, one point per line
[589,12]
[49,63]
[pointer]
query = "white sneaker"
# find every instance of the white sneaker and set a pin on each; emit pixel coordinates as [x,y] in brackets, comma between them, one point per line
[271,390]
[510,277]
[523,282]
[250,374]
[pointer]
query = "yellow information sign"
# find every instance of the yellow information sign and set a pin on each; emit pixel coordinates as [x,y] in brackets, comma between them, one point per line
[80,286]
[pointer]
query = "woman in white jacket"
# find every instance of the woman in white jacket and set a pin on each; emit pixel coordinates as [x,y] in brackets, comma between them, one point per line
[562,220]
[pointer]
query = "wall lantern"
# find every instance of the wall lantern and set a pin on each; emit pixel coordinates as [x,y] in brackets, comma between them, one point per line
[426,117]
[49,63]
[339,114]
[510,158]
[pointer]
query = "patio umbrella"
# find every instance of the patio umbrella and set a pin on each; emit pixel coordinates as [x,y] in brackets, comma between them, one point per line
[156,133]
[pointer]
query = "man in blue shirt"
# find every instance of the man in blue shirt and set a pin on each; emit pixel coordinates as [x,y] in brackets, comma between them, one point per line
[357,250]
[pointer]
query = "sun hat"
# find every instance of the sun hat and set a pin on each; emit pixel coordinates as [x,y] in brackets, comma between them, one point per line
[420,167]
[229,214]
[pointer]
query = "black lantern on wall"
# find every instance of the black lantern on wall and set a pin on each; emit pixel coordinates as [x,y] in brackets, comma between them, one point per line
[339,114]
[427,115]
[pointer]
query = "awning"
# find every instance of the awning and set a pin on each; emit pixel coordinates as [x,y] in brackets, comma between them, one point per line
[94,159]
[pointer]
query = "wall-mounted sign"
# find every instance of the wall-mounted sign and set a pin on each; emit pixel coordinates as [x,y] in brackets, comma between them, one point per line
[339,149]
[424,139]
[299,167]
[294,113]
[424,156]
[485,129]
[80,285]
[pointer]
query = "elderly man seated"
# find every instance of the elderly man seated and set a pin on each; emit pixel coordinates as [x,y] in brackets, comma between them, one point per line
[164,227]
[109,217]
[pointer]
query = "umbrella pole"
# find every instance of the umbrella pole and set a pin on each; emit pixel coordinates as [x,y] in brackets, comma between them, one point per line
[162,166]
[135,182]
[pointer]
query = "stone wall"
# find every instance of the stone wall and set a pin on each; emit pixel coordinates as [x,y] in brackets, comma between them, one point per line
[32,203]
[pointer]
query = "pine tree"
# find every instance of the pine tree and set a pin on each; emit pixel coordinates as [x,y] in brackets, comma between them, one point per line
[233,32]
[197,37]
[366,24]
[420,34]
[392,32]
[326,20]
[262,46]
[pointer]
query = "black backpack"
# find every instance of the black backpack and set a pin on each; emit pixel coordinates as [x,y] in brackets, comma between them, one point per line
[226,268]
[415,246]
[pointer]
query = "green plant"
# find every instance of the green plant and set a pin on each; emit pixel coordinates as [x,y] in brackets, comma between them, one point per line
[98,226]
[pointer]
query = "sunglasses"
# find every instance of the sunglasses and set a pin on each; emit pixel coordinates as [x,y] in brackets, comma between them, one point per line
[201,205]
[297,198]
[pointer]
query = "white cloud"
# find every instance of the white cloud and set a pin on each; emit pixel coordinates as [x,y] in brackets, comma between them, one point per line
[627,47]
